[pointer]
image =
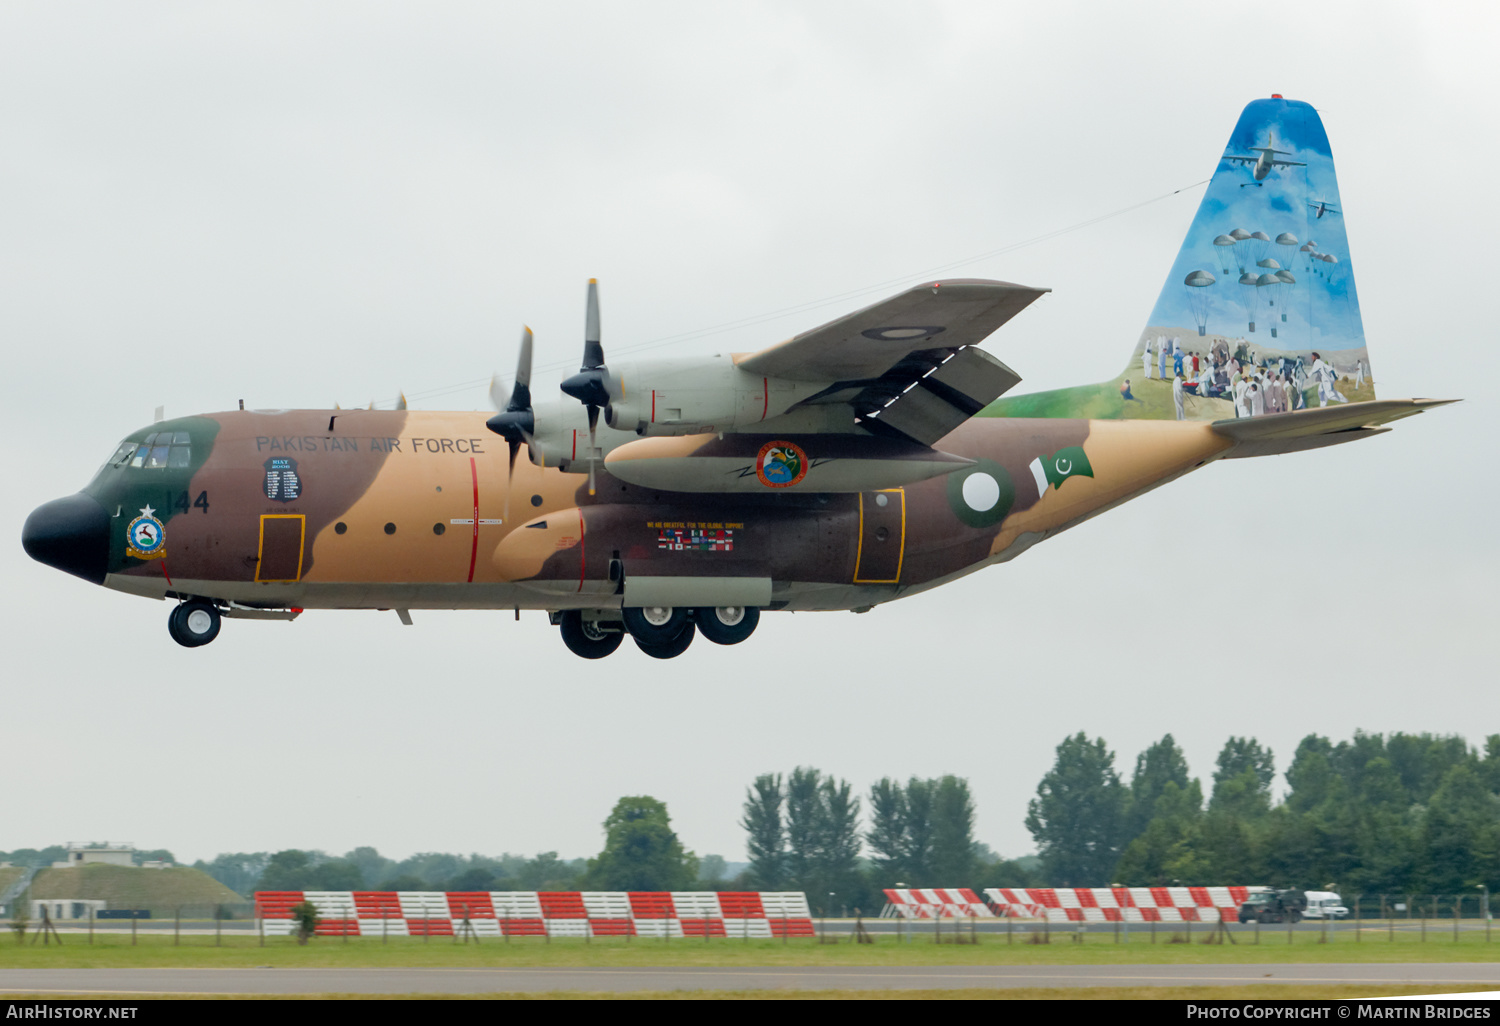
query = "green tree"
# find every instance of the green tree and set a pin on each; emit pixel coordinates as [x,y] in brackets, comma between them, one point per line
[1242,777]
[1077,815]
[641,853]
[953,852]
[1169,849]
[823,839]
[804,825]
[288,870]
[1159,765]
[372,865]
[1461,833]
[767,841]
[901,831]
[887,834]
[238,871]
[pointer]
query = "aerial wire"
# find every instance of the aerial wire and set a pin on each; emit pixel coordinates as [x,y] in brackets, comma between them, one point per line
[761,318]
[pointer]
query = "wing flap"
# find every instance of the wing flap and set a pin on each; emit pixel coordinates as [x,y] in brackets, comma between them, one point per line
[937,402]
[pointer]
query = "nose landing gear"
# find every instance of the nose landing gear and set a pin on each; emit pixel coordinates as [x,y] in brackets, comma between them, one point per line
[194,623]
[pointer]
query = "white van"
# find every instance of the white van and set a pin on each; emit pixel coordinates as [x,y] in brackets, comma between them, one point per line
[1324,905]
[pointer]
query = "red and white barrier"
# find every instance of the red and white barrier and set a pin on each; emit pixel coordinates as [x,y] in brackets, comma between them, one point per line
[1120,904]
[936,903]
[543,913]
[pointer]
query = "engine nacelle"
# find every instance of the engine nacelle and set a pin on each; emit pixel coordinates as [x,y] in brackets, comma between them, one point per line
[685,397]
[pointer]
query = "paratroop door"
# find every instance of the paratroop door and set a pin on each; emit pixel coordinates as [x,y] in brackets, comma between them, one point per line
[882,537]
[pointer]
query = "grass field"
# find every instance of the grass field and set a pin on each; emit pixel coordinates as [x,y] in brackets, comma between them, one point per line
[129,887]
[115,950]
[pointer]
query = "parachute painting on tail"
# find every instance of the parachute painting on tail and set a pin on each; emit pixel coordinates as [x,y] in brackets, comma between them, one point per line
[1259,314]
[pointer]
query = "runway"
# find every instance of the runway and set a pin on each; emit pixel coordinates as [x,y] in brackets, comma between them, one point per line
[147,982]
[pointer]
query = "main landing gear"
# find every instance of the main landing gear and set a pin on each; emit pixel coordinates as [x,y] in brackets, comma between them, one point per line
[662,632]
[193,623]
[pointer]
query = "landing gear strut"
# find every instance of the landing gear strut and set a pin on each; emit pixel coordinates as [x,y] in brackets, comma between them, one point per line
[193,623]
[587,638]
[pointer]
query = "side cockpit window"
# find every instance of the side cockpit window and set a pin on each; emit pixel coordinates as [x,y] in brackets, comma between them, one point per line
[157,451]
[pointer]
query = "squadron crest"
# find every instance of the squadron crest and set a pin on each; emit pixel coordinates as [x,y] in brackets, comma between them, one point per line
[145,536]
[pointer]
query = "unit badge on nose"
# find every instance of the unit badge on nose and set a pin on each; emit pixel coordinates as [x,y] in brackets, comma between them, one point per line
[282,481]
[145,536]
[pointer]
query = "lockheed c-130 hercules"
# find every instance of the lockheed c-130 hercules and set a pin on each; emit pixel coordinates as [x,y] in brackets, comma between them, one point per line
[860,462]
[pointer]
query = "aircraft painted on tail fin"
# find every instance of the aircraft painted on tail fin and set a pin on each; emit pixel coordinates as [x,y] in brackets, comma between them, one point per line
[877,456]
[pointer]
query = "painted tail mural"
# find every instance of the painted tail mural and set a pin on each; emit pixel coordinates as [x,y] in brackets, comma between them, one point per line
[1259,314]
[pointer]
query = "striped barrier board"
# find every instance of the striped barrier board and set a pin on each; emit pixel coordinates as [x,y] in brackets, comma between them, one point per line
[542,913]
[1120,904]
[936,903]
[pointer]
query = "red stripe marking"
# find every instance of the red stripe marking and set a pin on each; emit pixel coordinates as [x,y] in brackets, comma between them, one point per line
[165,574]
[575,443]
[474,547]
[653,406]
[765,384]
[582,552]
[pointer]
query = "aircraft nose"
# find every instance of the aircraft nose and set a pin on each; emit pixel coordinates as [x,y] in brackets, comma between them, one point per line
[71,534]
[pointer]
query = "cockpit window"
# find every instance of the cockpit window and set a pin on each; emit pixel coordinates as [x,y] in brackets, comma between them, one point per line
[157,451]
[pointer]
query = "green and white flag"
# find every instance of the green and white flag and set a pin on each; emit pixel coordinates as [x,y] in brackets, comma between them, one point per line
[1061,465]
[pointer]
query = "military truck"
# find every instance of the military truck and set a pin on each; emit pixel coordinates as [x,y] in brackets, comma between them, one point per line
[1274,907]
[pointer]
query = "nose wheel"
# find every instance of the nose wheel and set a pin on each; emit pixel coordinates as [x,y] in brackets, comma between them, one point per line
[194,623]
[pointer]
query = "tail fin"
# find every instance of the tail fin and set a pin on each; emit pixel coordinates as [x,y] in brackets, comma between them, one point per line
[1259,313]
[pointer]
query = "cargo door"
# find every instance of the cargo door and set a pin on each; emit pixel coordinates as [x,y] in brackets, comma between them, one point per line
[882,536]
[281,538]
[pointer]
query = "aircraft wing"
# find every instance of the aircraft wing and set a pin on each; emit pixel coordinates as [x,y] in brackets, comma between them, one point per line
[875,359]
[1314,429]
[1288,163]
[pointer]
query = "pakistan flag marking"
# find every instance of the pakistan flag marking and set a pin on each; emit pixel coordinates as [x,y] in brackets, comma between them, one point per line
[1061,465]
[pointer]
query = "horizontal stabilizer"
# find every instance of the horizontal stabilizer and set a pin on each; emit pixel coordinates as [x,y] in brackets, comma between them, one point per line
[1313,429]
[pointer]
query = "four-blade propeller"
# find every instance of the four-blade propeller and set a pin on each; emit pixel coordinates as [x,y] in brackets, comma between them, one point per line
[591,385]
[515,422]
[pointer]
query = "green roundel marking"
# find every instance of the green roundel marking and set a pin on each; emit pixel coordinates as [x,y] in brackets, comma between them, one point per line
[981,495]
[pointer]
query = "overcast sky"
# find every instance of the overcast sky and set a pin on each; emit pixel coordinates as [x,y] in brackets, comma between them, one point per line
[303,204]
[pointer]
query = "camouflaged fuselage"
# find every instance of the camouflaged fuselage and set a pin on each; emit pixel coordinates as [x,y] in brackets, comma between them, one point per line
[402,509]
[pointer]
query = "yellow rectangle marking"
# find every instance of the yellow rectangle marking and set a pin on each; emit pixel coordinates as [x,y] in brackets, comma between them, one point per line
[860,550]
[261,550]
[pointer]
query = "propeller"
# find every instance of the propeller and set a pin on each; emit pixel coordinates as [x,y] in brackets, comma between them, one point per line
[515,422]
[590,385]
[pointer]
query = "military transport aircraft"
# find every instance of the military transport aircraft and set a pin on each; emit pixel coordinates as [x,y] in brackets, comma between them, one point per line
[869,459]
